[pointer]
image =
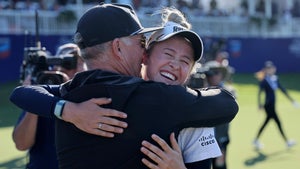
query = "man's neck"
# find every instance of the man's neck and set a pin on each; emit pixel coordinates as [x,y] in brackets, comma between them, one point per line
[92,65]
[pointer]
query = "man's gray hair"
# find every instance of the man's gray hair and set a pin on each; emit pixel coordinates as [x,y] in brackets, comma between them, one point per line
[92,52]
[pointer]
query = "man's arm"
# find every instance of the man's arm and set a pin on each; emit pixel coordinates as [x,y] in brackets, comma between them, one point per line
[86,115]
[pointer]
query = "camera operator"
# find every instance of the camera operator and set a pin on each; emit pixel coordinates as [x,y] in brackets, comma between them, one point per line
[36,133]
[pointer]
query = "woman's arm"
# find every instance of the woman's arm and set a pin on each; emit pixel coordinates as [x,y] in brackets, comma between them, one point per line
[206,108]
[39,100]
[284,91]
[164,156]
[88,115]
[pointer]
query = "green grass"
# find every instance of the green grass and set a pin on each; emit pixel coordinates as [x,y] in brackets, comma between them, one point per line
[245,126]
[241,154]
[10,157]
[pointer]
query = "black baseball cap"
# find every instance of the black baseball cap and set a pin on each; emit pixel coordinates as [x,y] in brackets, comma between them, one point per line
[105,22]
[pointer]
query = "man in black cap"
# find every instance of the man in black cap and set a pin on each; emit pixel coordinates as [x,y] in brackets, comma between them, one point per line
[113,54]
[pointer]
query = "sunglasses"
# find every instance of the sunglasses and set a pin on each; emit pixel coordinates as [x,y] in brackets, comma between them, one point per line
[143,41]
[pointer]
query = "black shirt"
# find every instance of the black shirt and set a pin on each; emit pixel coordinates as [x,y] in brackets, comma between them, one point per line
[151,107]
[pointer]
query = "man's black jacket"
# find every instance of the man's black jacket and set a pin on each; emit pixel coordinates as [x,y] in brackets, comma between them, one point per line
[151,107]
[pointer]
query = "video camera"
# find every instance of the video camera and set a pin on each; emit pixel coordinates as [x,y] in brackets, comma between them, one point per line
[197,78]
[39,64]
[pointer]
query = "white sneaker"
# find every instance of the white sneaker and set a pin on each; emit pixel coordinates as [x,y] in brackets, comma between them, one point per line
[257,145]
[290,143]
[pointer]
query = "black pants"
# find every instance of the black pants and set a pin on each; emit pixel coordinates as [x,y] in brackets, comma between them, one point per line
[271,114]
[223,147]
[204,164]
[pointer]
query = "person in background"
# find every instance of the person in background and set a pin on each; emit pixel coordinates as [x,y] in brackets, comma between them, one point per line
[36,133]
[216,72]
[73,50]
[222,58]
[268,84]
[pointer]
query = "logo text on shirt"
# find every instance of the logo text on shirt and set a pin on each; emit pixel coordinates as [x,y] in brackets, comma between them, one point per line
[207,140]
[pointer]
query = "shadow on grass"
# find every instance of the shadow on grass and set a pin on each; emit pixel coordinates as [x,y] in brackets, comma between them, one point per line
[17,163]
[261,157]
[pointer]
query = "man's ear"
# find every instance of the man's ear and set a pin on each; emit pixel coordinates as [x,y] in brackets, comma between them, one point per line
[116,49]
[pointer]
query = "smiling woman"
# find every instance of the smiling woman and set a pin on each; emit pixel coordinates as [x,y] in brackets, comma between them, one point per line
[172,51]
[170,61]
[171,54]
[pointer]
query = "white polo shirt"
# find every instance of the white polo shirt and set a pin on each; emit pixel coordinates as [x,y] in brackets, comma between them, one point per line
[198,144]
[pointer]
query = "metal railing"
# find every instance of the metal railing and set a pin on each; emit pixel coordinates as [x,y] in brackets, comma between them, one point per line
[19,22]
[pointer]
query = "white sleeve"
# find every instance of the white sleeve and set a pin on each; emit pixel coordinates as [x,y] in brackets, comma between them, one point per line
[198,144]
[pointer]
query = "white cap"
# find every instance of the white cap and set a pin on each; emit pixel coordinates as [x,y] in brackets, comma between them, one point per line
[171,29]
